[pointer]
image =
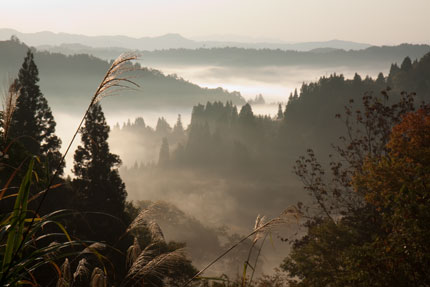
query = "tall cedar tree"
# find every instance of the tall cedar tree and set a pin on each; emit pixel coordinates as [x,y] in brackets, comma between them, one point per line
[98,184]
[31,131]
[32,123]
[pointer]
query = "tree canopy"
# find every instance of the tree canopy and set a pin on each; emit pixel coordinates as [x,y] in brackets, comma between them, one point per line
[98,186]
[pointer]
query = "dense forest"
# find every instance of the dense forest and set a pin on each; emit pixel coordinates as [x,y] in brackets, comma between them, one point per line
[363,209]
[230,56]
[228,152]
[232,142]
[66,80]
[233,56]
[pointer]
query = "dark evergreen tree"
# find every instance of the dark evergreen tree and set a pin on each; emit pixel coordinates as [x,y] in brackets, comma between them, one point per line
[199,143]
[356,81]
[139,122]
[98,185]
[280,114]
[406,65]
[258,100]
[246,116]
[380,81]
[178,128]
[394,71]
[33,124]
[163,128]
[178,133]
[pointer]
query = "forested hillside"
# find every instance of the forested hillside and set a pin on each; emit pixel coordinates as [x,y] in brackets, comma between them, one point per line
[376,57]
[250,152]
[68,81]
[215,143]
[360,190]
[232,56]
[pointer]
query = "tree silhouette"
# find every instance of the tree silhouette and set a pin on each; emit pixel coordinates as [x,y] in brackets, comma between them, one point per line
[98,185]
[178,129]
[406,64]
[32,123]
[246,116]
[380,81]
[163,128]
[178,132]
[280,114]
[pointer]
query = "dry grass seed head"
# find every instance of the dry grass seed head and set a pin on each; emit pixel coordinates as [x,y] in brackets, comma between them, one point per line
[140,220]
[66,275]
[82,272]
[95,247]
[289,214]
[113,80]
[133,253]
[145,216]
[98,278]
[156,232]
[259,222]
[156,268]
[9,104]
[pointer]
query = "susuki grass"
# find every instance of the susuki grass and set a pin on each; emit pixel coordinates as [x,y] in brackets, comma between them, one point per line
[259,222]
[22,249]
[21,230]
[259,230]
[9,105]
[147,266]
[21,234]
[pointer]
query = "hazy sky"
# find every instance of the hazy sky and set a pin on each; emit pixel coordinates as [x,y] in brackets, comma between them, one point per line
[370,21]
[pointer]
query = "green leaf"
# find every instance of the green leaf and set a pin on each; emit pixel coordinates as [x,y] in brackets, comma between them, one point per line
[18,218]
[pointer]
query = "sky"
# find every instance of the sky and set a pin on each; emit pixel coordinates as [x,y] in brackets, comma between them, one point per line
[368,21]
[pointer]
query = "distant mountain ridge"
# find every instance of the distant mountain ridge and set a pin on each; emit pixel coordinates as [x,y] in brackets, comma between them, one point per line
[378,57]
[168,41]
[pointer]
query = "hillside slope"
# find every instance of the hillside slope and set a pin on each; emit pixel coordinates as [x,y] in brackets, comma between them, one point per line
[69,81]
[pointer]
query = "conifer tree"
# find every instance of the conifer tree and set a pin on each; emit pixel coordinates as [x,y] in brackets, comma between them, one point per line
[280,114]
[178,128]
[178,133]
[380,81]
[33,124]
[246,115]
[98,185]
[394,71]
[406,65]
[163,128]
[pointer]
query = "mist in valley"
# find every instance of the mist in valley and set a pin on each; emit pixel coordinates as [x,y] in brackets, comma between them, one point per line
[193,142]
[210,200]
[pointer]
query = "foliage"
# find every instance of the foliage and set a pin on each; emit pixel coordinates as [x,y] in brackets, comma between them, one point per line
[260,230]
[68,80]
[32,122]
[235,141]
[397,185]
[369,233]
[98,186]
[29,243]
[151,260]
